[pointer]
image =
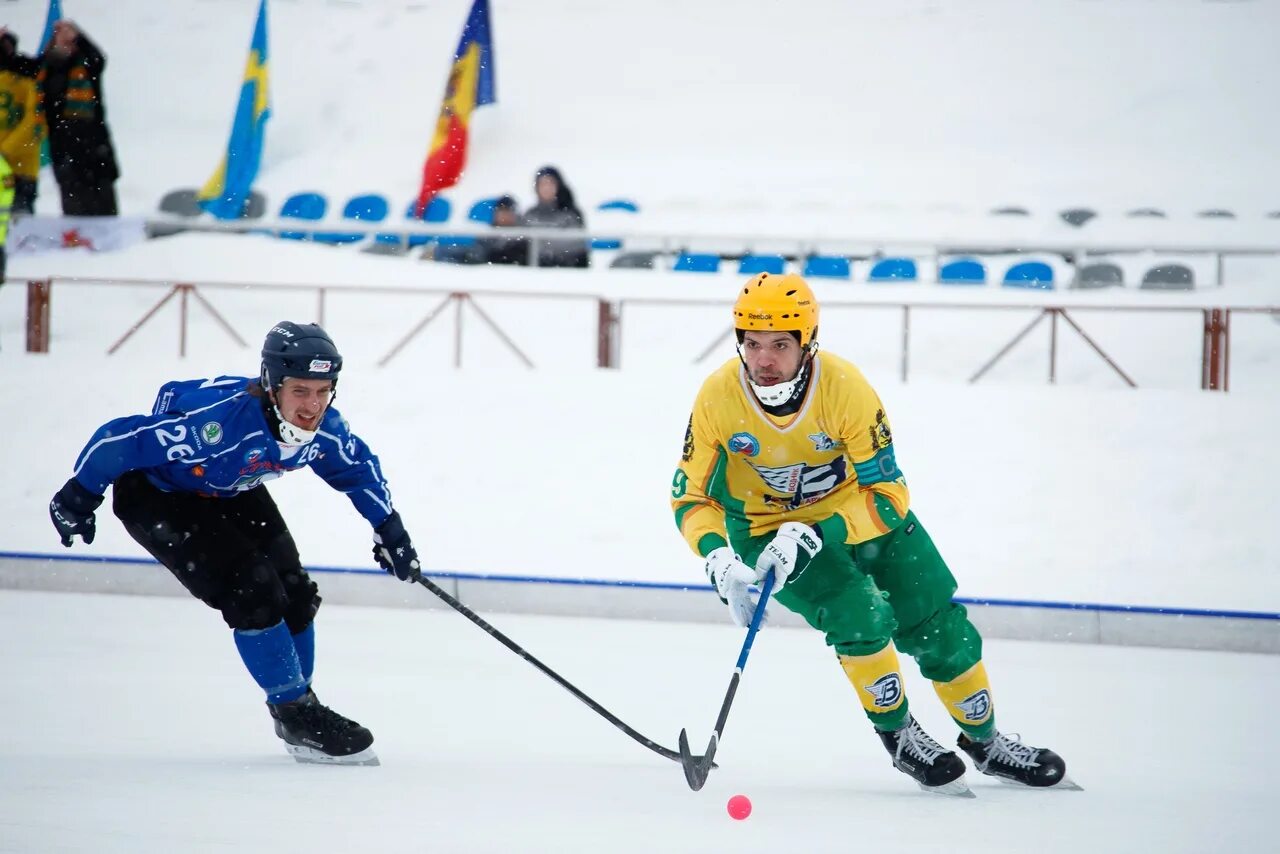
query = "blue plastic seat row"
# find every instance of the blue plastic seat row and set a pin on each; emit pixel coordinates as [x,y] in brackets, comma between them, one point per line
[963,271]
[311,207]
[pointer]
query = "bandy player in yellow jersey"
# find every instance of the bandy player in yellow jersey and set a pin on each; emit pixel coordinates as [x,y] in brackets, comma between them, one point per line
[789,466]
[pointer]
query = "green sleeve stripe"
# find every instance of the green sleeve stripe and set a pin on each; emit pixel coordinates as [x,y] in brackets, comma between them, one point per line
[682,511]
[709,543]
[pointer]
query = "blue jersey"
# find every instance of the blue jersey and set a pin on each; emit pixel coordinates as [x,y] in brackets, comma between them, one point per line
[212,438]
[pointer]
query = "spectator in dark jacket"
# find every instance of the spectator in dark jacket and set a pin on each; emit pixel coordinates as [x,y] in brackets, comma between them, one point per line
[505,250]
[84,162]
[556,209]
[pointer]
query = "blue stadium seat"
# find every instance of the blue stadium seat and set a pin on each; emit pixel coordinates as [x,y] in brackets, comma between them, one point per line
[826,266]
[619,205]
[694,262]
[1029,274]
[482,211]
[751,264]
[438,210]
[308,206]
[964,271]
[367,208]
[893,270]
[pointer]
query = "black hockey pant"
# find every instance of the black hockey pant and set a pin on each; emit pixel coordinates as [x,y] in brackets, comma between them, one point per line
[234,554]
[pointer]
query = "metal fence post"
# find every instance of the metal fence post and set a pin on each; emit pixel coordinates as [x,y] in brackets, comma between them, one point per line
[39,293]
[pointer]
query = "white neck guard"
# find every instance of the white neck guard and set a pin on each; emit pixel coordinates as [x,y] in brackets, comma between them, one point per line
[292,434]
[776,394]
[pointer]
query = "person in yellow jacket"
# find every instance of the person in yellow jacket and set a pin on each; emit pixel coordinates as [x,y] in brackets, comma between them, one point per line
[789,466]
[22,126]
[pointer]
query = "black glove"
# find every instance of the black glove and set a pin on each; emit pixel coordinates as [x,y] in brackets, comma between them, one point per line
[394,552]
[72,512]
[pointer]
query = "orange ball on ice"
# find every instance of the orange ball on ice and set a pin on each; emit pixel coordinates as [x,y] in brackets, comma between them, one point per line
[739,807]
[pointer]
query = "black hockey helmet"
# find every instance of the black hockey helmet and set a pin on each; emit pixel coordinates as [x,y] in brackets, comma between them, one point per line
[301,350]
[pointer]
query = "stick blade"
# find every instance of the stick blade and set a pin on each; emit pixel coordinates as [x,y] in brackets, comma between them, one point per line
[696,768]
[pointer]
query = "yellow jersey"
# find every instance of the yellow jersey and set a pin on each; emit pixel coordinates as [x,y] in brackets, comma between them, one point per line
[744,471]
[22,126]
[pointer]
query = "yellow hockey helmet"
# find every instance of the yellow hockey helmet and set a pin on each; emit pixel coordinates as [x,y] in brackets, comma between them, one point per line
[777,303]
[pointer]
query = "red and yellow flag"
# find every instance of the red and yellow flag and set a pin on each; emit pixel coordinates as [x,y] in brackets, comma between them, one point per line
[470,86]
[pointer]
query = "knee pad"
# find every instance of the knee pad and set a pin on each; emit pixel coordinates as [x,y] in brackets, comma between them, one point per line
[945,645]
[303,596]
[254,598]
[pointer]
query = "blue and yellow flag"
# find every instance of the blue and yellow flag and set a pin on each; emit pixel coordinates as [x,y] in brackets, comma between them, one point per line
[55,15]
[470,86]
[224,194]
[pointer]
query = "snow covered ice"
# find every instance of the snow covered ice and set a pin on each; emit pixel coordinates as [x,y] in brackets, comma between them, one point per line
[129,726]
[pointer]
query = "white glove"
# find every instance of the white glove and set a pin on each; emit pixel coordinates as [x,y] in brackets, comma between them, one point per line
[731,578]
[788,553]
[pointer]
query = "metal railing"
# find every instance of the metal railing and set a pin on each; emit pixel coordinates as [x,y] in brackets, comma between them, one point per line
[1215,344]
[668,244]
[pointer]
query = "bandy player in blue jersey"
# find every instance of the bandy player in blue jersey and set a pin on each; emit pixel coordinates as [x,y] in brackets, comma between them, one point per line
[188,482]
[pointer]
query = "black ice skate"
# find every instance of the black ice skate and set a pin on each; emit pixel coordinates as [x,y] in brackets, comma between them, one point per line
[313,732]
[1008,759]
[932,766]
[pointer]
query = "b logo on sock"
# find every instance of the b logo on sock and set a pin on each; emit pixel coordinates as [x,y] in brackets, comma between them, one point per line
[976,707]
[887,690]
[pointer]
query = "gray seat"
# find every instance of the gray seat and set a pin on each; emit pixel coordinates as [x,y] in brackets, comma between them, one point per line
[254,206]
[1077,216]
[634,260]
[180,203]
[184,203]
[1099,275]
[1168,277]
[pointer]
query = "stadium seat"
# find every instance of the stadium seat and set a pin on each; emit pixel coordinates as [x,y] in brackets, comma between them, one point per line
[1029,274]
[962,271]
[614,210]
[306,206]
[1098,275]
[826,266]
[186,203]
[634,261]
[367,208]
[438,210]
[1168,277]
[752,264]
[695,262]
[482,211]
[1077,216]
[254,206]
[893,270]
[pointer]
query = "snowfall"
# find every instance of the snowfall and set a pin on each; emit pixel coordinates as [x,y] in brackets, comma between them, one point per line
[128,724]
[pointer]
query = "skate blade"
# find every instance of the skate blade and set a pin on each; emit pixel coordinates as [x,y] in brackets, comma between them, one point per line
[311,756]
[957,788]
[1066,784]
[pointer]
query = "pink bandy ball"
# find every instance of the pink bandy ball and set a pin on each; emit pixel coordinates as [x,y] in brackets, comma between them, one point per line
[739,807]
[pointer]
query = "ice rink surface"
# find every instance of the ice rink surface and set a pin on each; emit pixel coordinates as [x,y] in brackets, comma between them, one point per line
[130,725]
